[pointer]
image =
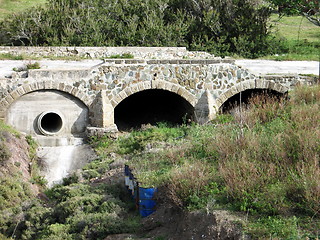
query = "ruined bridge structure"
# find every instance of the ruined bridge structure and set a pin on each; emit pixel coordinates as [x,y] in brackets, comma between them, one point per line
[49,104]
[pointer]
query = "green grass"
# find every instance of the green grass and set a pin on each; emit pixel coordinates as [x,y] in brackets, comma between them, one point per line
[8,7]
[4,127]
[267,169]
[296,28]
[300,38]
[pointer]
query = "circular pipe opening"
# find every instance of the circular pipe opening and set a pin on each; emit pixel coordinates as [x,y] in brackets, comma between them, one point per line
[50,123]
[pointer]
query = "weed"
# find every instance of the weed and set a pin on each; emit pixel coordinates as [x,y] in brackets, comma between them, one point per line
[275,227]
[35,65]
[124,56]
[9,56]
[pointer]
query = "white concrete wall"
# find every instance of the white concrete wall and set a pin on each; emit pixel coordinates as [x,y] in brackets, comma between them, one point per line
[24,112]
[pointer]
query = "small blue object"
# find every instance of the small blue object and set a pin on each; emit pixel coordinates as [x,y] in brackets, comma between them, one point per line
[146,202]
[145,213]
[146,193]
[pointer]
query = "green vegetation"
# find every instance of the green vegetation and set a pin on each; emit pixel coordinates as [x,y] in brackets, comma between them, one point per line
[8,7]
[234,27]
[8,56]
[239,28]
[263,162]
[300,38]
[267,167]
[74,210]
[125,55]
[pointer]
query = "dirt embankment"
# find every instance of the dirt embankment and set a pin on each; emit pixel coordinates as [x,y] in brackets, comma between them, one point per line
[18,165]
[173,223]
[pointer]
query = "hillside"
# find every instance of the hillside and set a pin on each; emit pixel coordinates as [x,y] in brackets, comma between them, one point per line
[15,6]
[263,163]
[254,172]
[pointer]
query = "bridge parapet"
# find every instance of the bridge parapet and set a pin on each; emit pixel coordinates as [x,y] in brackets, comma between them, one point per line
[205,84]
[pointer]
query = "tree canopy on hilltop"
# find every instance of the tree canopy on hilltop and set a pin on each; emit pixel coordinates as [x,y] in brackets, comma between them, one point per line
[220,27]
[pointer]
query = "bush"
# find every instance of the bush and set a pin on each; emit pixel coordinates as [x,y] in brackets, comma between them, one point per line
[219,27]
[5,154]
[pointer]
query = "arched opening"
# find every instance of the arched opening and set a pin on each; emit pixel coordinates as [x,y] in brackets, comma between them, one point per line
[150,107]
[48,112]
[50,123]
[246,97]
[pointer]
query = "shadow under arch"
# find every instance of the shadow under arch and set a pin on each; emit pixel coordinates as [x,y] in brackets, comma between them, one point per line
[249,88]
[152,106]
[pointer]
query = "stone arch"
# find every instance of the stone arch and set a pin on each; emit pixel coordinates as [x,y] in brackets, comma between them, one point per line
[158,84]
[250,85]
[45,85]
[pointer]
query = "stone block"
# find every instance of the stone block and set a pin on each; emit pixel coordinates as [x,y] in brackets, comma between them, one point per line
[21,91]
[246,85]
[168,86]
[218,102]
[128,91]
[134,88]
[27,88]
[80,95]
[161,85]
[147,85]
[114,103]
[75,91]
[175,88]
[4,104]
[40,85]
[118,98]
[272,85]
[9,99]
[34,86]
[123,95]
[180,91]
[62,86]
[140,86]
[68,88]
[283,89]
[15,95]
[223,98]
[55,85]
[154,84]
[48,84]
[239,87]
[233,91]
[252,84]
[228,94]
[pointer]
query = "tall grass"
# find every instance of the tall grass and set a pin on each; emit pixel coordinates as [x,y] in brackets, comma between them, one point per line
[266,165]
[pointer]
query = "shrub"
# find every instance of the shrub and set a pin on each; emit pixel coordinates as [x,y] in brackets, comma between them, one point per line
[35,65]
[5,154]
[239,27]
[275,227]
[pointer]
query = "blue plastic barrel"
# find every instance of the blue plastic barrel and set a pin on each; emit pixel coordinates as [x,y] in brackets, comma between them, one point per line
[146,202]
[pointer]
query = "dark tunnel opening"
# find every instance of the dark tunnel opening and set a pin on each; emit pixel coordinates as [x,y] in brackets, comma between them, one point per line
[50,123]
[151,107]
[246,98]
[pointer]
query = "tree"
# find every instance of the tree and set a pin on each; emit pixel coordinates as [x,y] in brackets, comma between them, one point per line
[309,8]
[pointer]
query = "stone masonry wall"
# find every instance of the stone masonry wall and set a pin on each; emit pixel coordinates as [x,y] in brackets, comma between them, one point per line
[106,52]
[205,84]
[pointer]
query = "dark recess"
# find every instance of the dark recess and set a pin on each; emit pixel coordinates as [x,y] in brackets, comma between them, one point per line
[234,101]
[51,122]
[152,106]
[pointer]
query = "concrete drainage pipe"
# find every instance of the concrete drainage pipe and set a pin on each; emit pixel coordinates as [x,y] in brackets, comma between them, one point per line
[50,123]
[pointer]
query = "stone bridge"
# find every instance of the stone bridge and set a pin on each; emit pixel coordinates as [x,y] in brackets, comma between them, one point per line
[108,96]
